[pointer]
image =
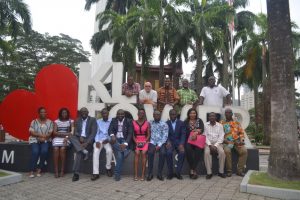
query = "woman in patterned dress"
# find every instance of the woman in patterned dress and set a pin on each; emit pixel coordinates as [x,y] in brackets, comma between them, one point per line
[63,128]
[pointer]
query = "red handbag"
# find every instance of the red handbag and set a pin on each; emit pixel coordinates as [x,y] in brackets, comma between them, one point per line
[199,142]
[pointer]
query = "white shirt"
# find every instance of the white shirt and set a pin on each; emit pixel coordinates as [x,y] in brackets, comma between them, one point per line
[83,127]
[152,95]
[213,96]
[120,129]
[214,134]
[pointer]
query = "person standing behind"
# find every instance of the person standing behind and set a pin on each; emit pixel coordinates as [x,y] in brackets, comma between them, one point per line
[121,131]
[130,88]
[212,95]
[234,140]
[214,139]
[176,140]
[141,138]
[159,136]
[40,132]
[186,95]
[102,140]
[147,95]
[63,127]
[167,95]
[194,126]
[83,138]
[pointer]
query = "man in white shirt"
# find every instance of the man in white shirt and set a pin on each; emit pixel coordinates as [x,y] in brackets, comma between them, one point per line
[102,140]
[214,133]
[212,95]
[147,95]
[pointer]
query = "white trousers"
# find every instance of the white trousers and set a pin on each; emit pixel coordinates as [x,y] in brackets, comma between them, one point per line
[96,154]
[208,159]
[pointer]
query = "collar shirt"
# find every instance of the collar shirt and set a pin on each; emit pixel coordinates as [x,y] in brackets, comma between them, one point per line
[159,133]
[102,133]
[214,134]
[120,129]
[214,96]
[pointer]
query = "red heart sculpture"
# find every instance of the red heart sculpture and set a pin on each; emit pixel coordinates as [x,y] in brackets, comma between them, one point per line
[56,86]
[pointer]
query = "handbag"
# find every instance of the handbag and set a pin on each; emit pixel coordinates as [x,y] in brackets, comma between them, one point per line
[199,142]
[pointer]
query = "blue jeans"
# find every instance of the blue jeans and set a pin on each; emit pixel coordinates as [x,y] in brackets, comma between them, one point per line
[161,161]
[180,159]
[38,150]
[120,156]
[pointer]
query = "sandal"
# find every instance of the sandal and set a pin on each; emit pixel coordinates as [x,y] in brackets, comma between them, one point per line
[136,178]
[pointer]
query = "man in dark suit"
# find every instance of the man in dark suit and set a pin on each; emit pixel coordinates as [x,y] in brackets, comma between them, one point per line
[84,134]
[121,131]
[176,140]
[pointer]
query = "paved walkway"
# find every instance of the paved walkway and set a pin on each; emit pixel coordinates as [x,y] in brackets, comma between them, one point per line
[48,187]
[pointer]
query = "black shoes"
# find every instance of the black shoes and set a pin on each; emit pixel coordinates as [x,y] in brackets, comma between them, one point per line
[95,177]
[160,177]
[178,176]
[75,177]
[109,172]
[209,176]
[222,175]
[149,177]
[170,176]
[229,174]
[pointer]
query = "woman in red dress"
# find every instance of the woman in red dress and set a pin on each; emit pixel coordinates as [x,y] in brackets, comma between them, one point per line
[141,138]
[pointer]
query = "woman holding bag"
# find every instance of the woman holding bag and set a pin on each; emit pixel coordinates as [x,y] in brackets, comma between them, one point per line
[194,128]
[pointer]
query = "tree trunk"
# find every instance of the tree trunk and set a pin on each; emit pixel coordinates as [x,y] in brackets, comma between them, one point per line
[239,95]
[284,162]
[161,66]
[255,90]
[266,99]
[225,75]
[199,66]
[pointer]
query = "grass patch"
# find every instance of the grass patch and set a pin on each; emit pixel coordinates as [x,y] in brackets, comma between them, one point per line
[262,178]
[3,174]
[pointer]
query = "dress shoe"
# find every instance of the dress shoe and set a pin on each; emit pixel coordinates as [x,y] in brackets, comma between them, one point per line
[170,176]
[194,176]
[178,176]
[75,177]
[95,177]
[109,172]
[149,177]
[222,175]
[160,177]
[240,174]
[117,178]
[229,174]
[209,176]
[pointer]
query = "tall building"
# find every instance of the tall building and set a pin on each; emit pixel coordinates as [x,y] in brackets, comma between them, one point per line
[247,100]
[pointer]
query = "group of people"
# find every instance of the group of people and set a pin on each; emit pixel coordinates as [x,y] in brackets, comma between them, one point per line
[211,95]
[121,135]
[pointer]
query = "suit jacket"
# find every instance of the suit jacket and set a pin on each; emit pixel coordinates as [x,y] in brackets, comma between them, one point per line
[127,129]
[90,128]
[178,136]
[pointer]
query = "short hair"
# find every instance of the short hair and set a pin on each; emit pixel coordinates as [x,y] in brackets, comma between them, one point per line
[104,110]
[61,111]
[41,108]
[228,109]
[147,83]
[172,110]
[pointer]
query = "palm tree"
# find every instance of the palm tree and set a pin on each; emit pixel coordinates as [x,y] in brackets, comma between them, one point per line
[284,162]
[115,33]
[140,33]
[14,18]
[119,6]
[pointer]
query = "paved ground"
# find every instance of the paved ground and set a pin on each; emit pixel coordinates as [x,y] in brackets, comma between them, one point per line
[47,187]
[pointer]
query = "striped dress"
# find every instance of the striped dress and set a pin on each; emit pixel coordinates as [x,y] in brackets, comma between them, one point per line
[62,127]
